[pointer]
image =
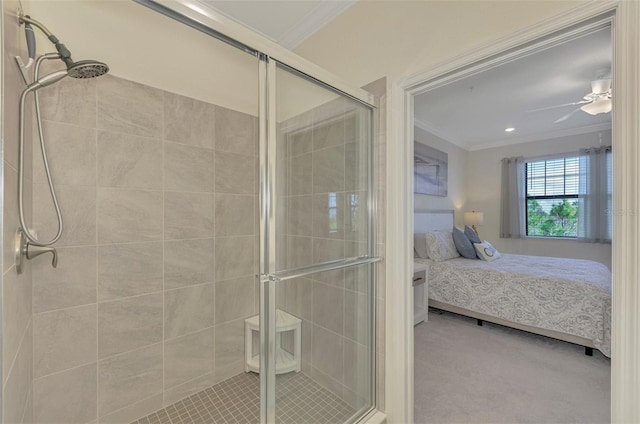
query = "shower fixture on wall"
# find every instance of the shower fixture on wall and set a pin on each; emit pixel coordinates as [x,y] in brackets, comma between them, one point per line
[27,244]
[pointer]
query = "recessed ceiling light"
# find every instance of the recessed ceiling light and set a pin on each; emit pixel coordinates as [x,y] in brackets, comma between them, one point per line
[510,129]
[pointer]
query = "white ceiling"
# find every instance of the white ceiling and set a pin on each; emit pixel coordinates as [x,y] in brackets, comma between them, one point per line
[288,22]
[473,112]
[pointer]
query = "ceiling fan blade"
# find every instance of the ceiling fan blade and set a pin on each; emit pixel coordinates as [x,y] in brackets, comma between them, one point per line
[567,116]
[581,102]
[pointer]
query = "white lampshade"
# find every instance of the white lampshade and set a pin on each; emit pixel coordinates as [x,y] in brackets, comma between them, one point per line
[473,218]
[597,107]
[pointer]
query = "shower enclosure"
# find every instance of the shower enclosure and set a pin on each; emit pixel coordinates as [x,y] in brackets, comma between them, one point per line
[316,238]
[201,192]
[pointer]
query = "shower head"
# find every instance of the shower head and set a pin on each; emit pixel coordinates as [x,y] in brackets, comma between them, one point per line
[82,70]
[87,69]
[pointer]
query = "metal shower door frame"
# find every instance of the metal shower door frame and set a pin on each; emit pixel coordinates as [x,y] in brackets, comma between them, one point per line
[267,175]
[270,276]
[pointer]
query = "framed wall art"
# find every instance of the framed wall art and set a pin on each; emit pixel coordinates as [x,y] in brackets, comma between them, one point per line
[430,170]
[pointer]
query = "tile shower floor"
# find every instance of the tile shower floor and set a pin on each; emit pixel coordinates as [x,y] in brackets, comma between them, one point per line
[299,400]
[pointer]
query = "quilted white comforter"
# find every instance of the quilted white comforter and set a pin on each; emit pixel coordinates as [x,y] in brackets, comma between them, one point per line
[571,296]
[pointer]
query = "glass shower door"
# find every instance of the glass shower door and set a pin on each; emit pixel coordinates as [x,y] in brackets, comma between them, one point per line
[318,290]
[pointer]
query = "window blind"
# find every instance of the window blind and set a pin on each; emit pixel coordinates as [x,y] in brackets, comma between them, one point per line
[552,188]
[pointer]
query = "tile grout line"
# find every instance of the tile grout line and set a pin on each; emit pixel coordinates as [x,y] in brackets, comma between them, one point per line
[215,227]
[164,184]
[15,358]
[25,407]
[312,321]
[75,367]
[97,260]
[97,286]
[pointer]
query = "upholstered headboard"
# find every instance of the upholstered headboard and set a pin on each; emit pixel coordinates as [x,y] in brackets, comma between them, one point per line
[432,219]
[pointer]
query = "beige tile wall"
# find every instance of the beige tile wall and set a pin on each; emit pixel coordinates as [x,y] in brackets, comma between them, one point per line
[17,323]
[322,170]
[156,267]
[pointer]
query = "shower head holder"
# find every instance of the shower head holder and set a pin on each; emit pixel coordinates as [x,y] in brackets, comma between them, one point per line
[63,52]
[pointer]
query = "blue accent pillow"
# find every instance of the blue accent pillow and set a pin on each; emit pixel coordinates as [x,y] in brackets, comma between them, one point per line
[463,244]
[471,235]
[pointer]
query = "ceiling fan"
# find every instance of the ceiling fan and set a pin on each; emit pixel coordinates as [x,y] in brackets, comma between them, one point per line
[594,103]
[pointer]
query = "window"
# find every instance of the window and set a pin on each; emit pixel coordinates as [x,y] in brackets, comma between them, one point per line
[570,196]
[551,205]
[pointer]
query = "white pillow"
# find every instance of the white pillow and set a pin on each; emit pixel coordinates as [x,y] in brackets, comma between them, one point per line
[440,246]
[420,245]
[486,251]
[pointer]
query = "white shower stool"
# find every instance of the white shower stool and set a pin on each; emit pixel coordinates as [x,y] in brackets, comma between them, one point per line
[285,361]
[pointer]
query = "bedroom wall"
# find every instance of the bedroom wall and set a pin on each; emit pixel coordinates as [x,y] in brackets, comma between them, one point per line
[483,194]
[457,176]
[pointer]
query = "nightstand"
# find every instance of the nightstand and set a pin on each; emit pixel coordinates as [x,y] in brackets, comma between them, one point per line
[420,293]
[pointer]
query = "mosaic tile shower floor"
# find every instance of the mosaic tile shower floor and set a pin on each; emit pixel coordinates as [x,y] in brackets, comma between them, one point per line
[299,400]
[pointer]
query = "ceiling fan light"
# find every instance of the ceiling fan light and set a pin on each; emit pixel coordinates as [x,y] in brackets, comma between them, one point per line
[597,107]
[601,86]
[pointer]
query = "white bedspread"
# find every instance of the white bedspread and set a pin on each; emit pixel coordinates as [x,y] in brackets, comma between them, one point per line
[571,296]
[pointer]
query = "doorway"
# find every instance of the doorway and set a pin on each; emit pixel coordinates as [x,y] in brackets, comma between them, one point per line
[399,176]
[534,105]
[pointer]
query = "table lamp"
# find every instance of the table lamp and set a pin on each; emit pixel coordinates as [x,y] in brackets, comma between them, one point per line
[474,218]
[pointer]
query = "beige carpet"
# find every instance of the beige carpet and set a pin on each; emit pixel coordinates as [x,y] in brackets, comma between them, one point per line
[492,374]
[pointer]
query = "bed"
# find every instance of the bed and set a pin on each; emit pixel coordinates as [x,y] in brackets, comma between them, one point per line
[567,299]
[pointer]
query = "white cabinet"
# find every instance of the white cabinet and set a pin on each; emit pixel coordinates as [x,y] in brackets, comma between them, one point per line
[420,293]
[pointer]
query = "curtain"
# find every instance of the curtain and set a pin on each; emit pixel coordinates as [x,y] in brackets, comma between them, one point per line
[594,195]
[512,212]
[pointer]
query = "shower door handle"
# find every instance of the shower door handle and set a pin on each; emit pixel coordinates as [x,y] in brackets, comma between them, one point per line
[288,274]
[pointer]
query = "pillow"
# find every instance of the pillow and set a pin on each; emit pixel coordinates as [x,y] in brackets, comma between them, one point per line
[471,235]
[463,244]
[486,251]
[420,245]
[440,246]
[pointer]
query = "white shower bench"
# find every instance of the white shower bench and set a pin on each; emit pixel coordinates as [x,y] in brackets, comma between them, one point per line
[285,361]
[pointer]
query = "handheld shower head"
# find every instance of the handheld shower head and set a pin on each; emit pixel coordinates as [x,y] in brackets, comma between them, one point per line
[46,80]
[31,43]
[87,69]
[82,70]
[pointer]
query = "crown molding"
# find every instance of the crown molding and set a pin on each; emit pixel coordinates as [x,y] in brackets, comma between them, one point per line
[430,128]
[543,136]
[321,15]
